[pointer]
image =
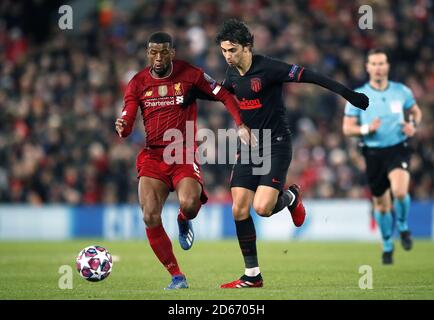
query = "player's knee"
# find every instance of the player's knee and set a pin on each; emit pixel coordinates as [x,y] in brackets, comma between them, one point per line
[151,218]
[382,208]
[399,193]
[262,209]
[151,221]
[240,212]
[190,207]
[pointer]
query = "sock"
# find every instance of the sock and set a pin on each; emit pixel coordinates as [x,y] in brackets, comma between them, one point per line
[246,234]
[252,272]
[251,279]
[183,217]
[385,222]
[402,208]
[285,199]
[162,247]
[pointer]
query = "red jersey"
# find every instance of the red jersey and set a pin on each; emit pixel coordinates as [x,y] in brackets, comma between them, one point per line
[160,101]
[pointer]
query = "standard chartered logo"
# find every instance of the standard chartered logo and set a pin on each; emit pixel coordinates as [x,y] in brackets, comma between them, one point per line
[160,103]
[164,102]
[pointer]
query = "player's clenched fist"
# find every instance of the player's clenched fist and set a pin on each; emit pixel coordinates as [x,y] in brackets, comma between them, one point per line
[120,126]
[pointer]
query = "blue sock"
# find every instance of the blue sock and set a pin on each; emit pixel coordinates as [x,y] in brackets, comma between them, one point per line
[402,208]
[385,222]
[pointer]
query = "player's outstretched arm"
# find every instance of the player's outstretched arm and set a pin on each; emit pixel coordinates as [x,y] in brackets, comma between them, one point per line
[193,94]
[357,99]
[124,125]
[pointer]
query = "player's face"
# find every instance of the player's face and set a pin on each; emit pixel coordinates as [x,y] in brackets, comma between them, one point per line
[233,52]
[160,57]
[377,66]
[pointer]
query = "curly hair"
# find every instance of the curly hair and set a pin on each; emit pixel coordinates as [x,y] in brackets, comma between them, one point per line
[235,31]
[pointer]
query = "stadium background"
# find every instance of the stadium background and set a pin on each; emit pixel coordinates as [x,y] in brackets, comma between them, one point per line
[60,91]
[65,174]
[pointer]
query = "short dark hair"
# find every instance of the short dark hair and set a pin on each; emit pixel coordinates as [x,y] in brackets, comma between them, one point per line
[235,31]
[160,37]
[377,51]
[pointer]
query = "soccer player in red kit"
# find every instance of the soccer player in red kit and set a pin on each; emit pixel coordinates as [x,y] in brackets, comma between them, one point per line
[159,91]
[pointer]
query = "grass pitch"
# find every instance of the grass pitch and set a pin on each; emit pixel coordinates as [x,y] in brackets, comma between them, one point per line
[291,270]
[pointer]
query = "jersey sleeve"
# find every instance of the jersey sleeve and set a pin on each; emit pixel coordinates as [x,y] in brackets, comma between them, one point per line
[279,71]
[409,100]
[209,86]
[131,103]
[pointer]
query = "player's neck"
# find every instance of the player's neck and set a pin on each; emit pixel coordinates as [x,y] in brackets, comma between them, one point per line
[379,84]
[245,63]
[165,75]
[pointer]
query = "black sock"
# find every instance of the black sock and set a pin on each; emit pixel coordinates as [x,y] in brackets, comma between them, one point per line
[252,279]
[284,199]
[246,234]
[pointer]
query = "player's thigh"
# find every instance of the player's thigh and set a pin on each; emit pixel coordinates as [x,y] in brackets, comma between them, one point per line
[188,183]
[152,195]
[383,203]
[189,191]
[399,182]
[242,200]
[265,200]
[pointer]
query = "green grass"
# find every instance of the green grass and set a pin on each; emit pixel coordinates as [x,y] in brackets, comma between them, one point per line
[291,270]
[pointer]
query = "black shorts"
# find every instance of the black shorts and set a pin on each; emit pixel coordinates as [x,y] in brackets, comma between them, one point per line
[272,172]
[379,163]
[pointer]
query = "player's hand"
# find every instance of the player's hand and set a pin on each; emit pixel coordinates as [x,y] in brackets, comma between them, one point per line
[246,136]
[120,125]
[359,100]
[408,129]
[373,127]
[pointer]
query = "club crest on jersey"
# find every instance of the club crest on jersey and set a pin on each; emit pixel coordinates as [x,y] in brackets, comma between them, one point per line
[178,89]
[162,91]
[255,84]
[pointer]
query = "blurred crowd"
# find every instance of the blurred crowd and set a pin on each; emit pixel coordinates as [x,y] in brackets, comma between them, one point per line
[61,91]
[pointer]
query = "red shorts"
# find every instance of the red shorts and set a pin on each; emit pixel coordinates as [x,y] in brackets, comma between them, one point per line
[150,163]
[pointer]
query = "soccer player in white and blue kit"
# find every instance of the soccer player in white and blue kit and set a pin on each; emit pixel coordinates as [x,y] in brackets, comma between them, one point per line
[384,129]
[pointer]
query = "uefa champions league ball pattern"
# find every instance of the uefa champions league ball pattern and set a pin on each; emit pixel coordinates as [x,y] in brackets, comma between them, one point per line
[94,263]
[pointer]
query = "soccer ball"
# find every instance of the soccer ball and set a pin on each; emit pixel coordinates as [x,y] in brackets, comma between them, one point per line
[94,263]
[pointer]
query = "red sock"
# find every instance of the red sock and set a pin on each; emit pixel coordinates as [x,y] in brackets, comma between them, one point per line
[162,247]
[183,217]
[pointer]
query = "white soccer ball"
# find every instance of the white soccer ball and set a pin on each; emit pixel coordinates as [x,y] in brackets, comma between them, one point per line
[94,263]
